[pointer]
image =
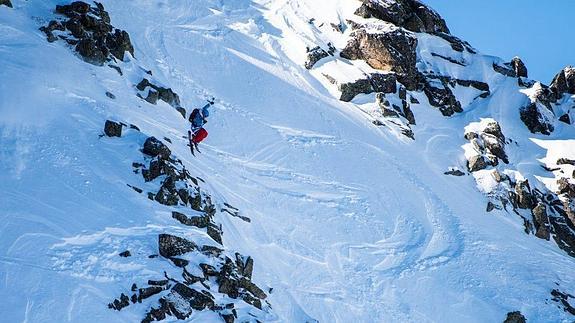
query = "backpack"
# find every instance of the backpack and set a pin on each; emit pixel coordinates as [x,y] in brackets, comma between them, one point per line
[199,136]
[193,115]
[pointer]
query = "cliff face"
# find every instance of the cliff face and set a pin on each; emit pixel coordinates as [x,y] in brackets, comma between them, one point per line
[362,164]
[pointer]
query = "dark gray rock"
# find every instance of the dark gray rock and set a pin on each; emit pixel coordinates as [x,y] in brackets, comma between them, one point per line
[119,43]
[476,163]
[515,317]
[440,95]
[171,246]
[148,292]
[195,221]
[565,161]
[110,95]
[314,55]
[454,172]
[112,129]
[533,119]
[518,67]
[565,118]
[6,3]
[91,52]
[541,221]
[410,14]
[120,303]
[564,82]
[194,299]
[350,90]
[524,197]
[125,254]
[384,83]
[153,147]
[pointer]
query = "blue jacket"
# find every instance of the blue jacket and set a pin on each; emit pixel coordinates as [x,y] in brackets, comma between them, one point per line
[198,117]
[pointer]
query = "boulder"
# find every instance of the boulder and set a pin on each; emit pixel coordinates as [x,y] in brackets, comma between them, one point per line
[454,172]
[565,118]
[409,14]
[565,187]
[515,317]
[6,3]
[351,89]
[94,37]
[384,83]
[518,67]
[524,198]
[171,246]
[119,43]
[534,120]
[113,129]
[440,95]
[153,147]
[390,51]
[476,163]
[541,221]
[564,82]
[91,52]
[314,55]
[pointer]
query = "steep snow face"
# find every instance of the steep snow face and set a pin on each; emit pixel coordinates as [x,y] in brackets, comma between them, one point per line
[350,219]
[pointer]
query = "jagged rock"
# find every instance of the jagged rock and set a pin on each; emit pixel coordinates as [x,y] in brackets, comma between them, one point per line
[440,96]
[534,120]
[153,147]
[481,86]
[524,197]
[113,129]
[6,3]
[314,55]
[384,83]
[565,187]
[119,43]
[125,253]
[350,90]
[518,67]
[215,233]
[563,298]
[169,96]
[387,51]
[564,82]
[565,118]
[143,84]
[454,172]
[476,163]
[410,14]
[190,298]
[457,45]
[195,221]
[171,246]
[407,113]
[152,97]
[148,292]
[504,70]
[119,304]
[515,317]
[158,282]
[91,52]
[90,26]
[565,161]
[541,221]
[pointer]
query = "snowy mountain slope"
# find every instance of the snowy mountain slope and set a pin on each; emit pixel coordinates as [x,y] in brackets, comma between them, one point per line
[350,221]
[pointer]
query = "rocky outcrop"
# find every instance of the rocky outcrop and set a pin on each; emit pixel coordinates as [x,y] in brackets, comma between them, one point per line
[113,129]
[152,93]
[316,54]
[538,115]
[352,89]
[89,30]
[564,82]
[515,68]
[488,141]
[6,3]
[440,95]
[541,221]
[409,14]
[564,300]
[515,317]
[390,51]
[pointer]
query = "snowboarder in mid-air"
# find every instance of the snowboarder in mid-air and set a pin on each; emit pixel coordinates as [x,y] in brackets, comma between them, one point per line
[198,118]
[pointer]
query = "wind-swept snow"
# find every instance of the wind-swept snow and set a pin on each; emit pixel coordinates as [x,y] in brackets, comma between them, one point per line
[349,224]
